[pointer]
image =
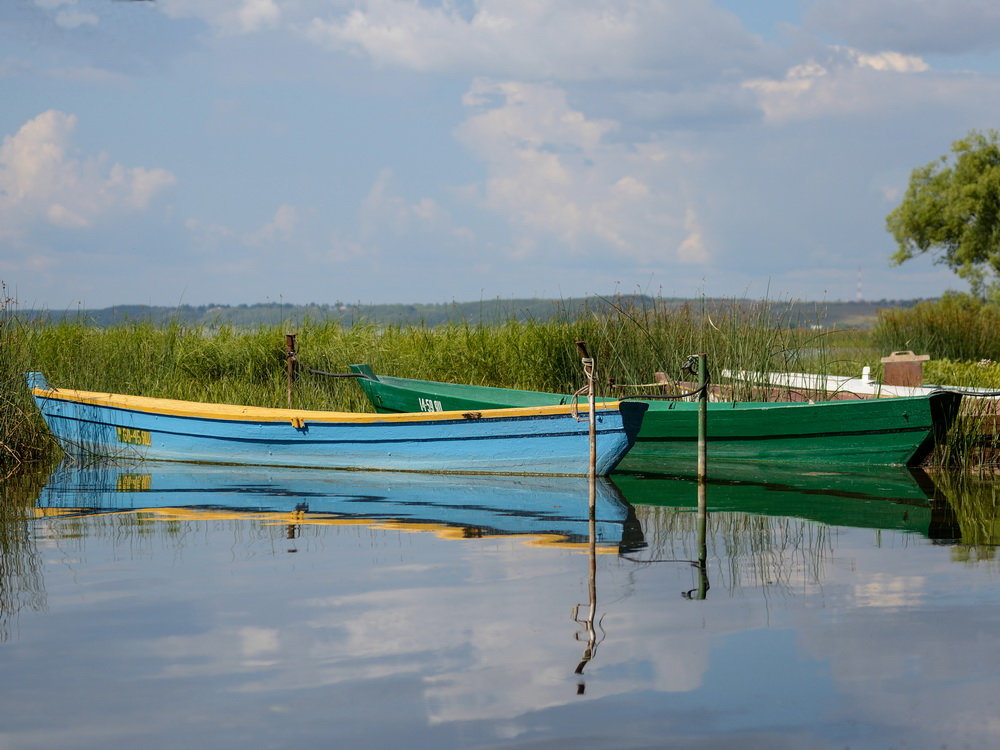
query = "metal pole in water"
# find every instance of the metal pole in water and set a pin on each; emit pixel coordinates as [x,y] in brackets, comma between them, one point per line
[702,417]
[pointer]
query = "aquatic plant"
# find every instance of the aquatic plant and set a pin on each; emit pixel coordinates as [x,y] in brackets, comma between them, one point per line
[631,341]
[956,326]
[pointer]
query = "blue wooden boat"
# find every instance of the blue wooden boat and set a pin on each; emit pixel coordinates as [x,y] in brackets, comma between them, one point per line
[534,440]
[549,510]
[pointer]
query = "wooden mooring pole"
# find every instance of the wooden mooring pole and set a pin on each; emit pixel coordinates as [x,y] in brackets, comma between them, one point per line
[291,364]
[702,417]
[588,371]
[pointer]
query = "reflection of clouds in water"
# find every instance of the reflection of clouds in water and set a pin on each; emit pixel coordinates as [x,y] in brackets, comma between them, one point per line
[495,687]
[891,640]
[887,678]
[509,649]
[221,651]
[889,591]
[495,645]
[490,637]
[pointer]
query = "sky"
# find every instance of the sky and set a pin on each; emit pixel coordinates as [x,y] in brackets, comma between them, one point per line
[170,152]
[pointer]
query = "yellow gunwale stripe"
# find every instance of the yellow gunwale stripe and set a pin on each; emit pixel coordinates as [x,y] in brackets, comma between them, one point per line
[200,410]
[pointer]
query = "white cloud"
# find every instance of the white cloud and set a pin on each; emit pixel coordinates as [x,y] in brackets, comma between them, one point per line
[915,26]
[554,175]
[545,39]
[42,180]
[66,13]
[70,19]
[30,262]
[847,81]
[227,16]
[281,228]
[892,62]
[384,212]
[692,249]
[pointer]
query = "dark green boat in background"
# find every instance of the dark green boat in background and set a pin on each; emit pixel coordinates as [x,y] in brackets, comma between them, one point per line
[891,431]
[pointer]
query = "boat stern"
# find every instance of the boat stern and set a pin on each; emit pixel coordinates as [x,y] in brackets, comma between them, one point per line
[944,407]
[632,413]
[37,381]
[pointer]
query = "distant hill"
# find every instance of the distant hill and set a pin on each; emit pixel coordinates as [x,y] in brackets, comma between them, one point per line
[828,314]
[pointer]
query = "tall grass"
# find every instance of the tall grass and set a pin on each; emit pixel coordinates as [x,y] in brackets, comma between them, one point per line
[957,327]
[23,436]
[973,442]
[242,365]
[227,364]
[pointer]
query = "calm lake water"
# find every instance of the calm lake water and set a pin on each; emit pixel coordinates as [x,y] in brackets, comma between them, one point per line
[217,607]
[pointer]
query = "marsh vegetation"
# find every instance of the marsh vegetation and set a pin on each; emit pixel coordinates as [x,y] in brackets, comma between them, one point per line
[228,364]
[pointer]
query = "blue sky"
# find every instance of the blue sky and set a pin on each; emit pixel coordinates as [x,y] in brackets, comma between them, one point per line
[230,151]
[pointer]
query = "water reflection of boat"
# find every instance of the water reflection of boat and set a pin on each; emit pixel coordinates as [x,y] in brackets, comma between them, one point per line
[886,497]
[552,508]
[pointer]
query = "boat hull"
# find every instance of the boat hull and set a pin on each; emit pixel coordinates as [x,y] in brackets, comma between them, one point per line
[509,441]
[898,431]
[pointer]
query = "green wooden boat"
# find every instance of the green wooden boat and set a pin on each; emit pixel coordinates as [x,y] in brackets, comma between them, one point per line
[891,431]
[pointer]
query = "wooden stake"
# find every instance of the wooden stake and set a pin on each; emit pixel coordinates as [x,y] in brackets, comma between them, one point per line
[702,418]
[291,364]
[588,371]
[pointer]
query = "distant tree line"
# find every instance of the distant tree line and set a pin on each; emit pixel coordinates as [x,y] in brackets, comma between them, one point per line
[484,312]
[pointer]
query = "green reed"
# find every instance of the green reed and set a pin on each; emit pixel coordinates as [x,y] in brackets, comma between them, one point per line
[957,326]
[973,442]
[228,364]
[23,436]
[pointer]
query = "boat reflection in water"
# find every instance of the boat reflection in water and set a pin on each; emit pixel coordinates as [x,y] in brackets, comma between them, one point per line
[884,497]
[768,526]
[826,583]
[550,510]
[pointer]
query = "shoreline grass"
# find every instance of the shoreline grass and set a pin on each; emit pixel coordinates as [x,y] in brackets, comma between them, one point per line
[226,364]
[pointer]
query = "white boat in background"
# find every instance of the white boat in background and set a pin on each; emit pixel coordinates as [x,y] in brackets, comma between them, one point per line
[845,387]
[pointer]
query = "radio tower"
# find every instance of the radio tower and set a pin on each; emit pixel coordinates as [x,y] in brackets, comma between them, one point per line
[859,295]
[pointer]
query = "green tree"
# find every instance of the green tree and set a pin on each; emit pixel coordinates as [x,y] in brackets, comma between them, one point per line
[952,208]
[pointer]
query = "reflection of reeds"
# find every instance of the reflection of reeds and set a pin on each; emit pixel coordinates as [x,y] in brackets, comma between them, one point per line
[750,551]
[975,502]
[21,582]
